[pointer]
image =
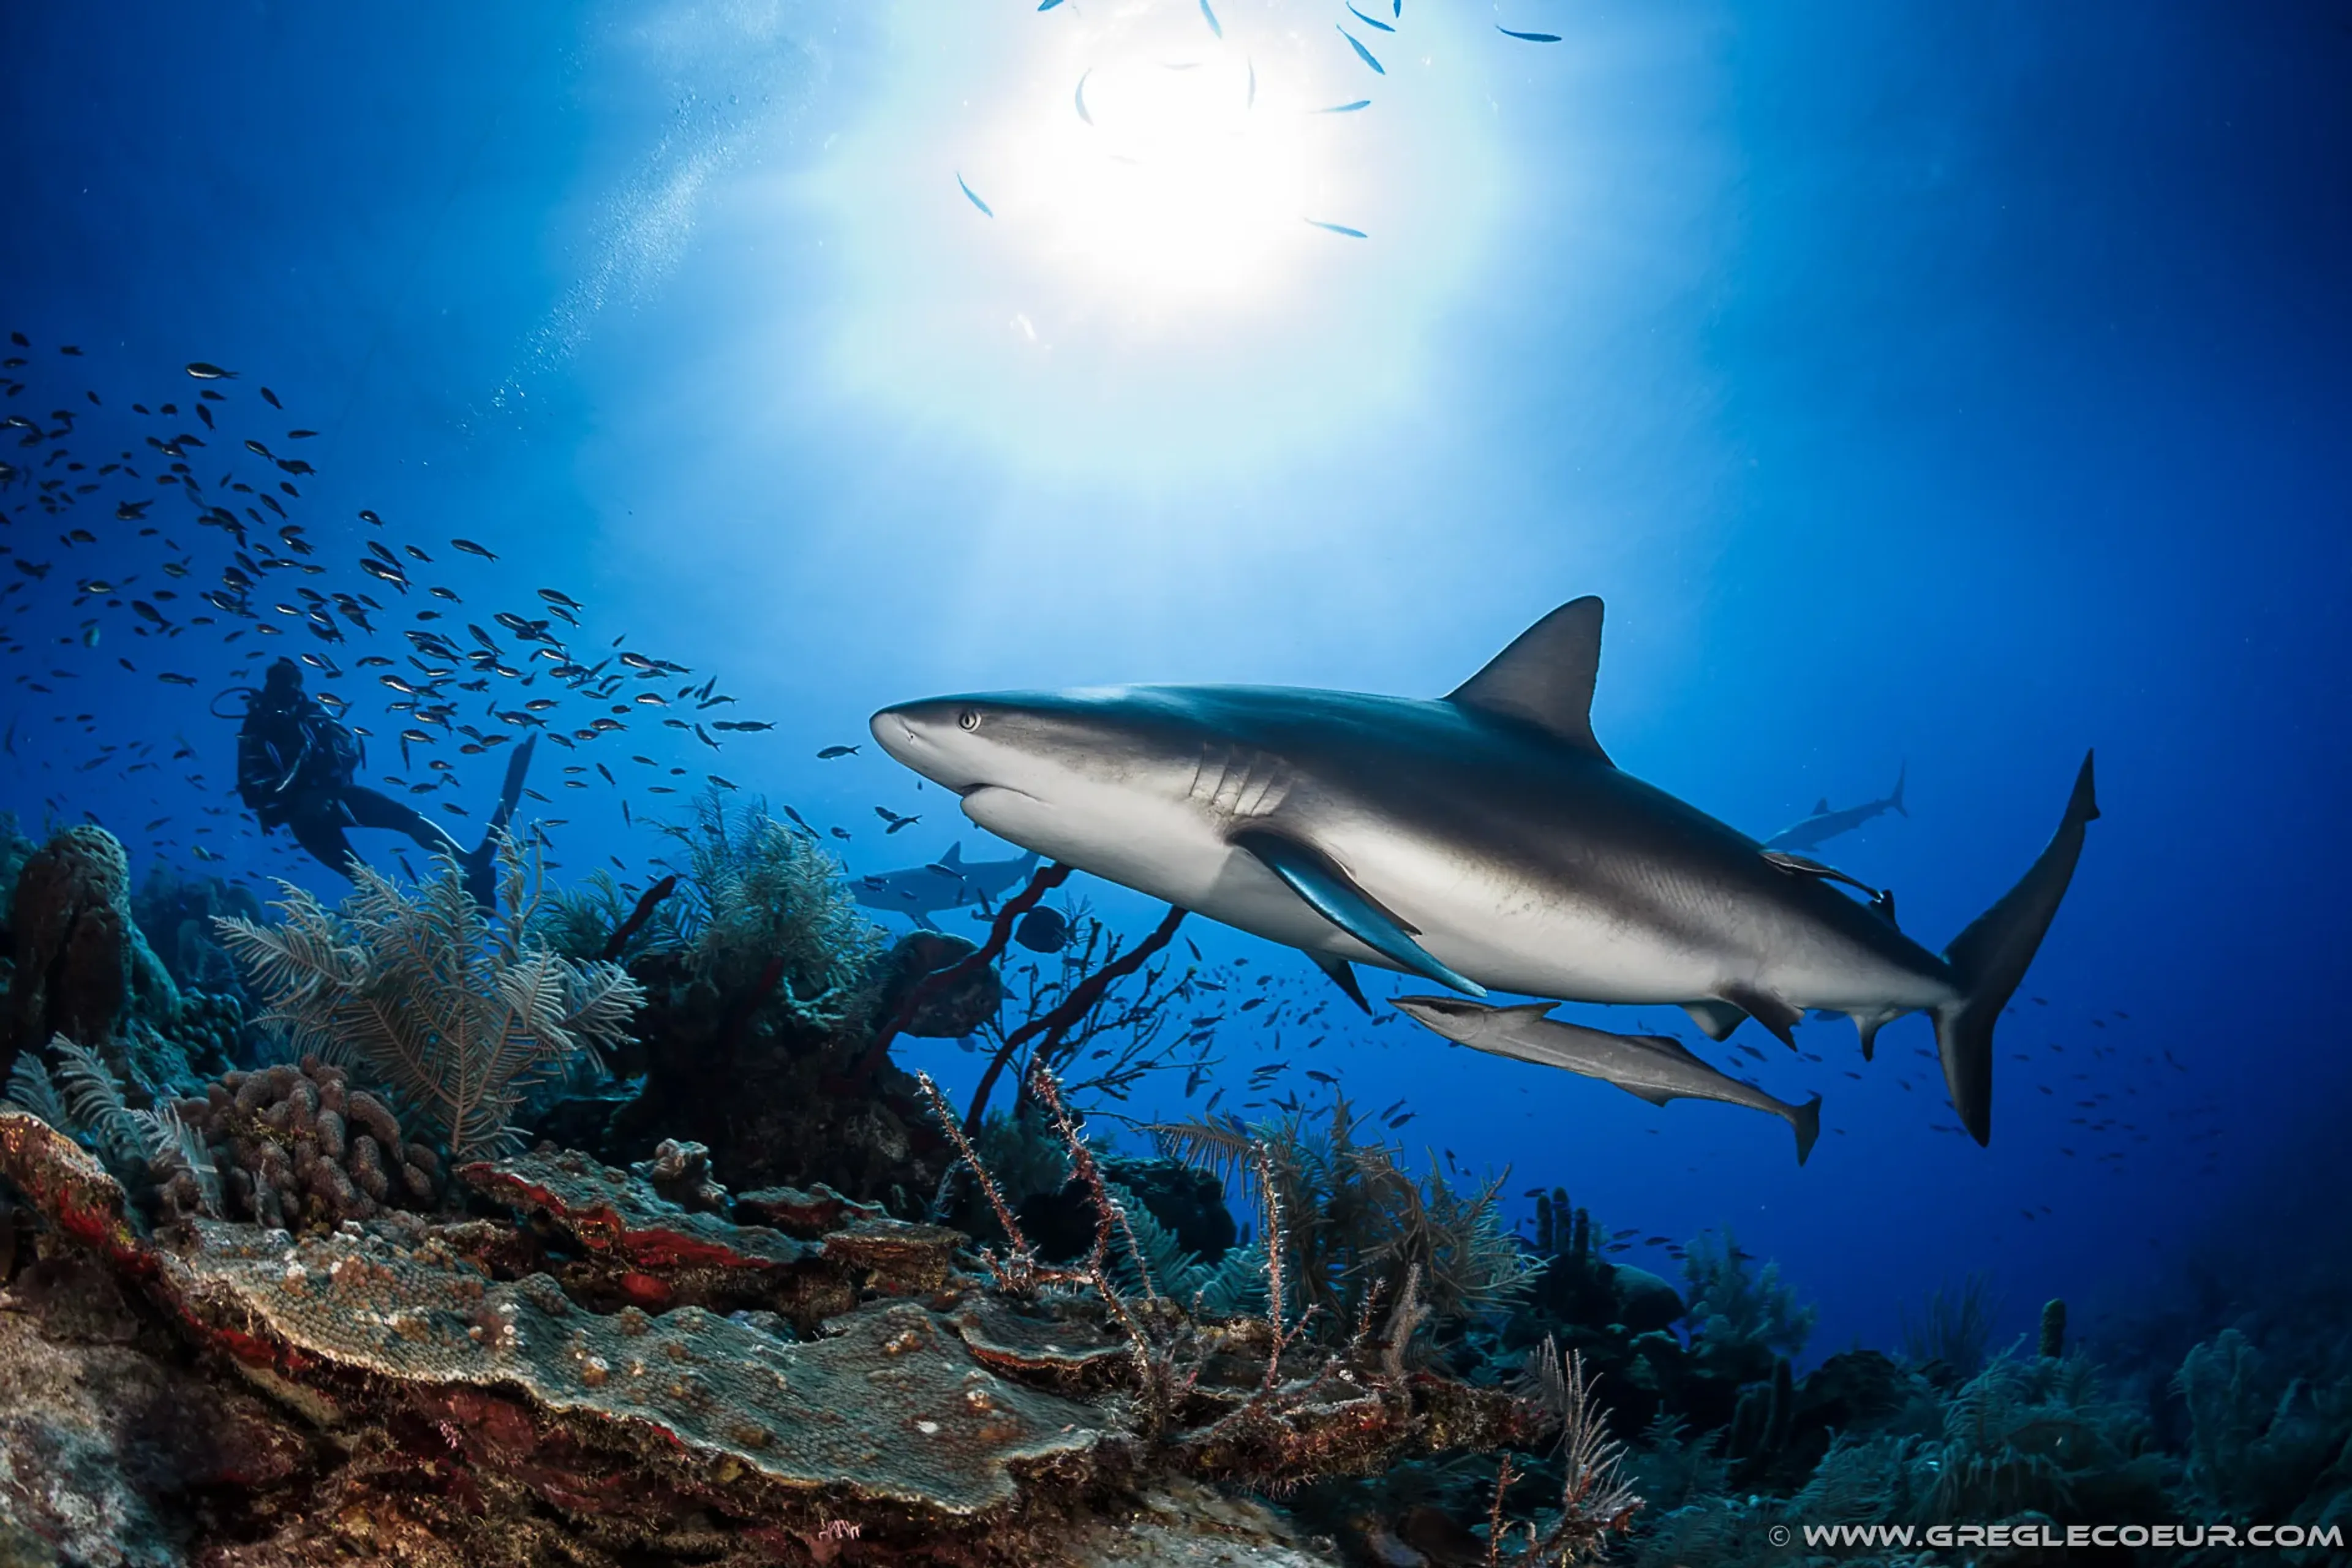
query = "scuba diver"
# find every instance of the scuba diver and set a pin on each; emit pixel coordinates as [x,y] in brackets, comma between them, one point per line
[294,768]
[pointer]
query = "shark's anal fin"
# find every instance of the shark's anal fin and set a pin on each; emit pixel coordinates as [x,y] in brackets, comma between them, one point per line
[1310,874]
[1343,978]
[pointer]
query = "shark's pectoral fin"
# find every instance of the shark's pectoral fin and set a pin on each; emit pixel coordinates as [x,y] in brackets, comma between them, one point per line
[923,918]
[1715,1019]
[1775,1013]
[1309,873]
[1343,978]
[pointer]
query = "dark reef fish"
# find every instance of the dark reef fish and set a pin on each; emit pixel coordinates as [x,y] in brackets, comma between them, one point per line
[1362,53]
[1479,839]
[1648,1066]
[1043,929]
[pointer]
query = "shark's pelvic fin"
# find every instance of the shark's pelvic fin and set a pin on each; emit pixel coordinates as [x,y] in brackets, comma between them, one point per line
[1545,678]
[1775,1013]
[1991,957]
[1311,875]
[1343,978]
[1715,1019]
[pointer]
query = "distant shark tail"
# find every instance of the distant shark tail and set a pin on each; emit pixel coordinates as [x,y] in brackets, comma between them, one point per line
[1894,801]
[1807,1121]
[1991,957]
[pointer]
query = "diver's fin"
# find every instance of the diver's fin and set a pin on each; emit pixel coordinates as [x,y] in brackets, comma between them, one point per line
[1310,874]
[1343,978]
[1715,1019]
[511,792]
[1774,1013]
[1807,1121]
[1991,957]
[1895,800]
[1545,678]
[480,864]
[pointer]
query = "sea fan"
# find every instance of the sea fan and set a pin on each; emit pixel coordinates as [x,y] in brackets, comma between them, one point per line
[460,1020]
[93,1098]
[30,1089]
[172,1145]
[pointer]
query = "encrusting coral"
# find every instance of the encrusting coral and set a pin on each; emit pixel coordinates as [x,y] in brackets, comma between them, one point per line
[460,1019]
[299,1147]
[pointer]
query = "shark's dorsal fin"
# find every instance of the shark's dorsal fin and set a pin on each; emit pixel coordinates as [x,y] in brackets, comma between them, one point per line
[1545,678]
[1822,807]
[954,856]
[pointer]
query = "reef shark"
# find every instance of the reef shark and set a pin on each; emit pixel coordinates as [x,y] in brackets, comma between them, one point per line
[1824,824]
[949,882]
[1483,838]
[1650,1066]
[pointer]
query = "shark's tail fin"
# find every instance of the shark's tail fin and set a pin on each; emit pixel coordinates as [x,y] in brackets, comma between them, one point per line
[1894,801]
[1991,957]
[1807,1120]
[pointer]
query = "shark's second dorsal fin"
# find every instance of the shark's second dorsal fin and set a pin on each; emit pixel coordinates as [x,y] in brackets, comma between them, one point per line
[1545,678]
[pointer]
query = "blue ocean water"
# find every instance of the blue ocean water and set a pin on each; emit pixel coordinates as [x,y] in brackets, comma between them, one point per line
[1945,391]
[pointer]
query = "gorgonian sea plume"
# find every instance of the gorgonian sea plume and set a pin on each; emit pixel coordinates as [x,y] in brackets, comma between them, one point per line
[459,1014]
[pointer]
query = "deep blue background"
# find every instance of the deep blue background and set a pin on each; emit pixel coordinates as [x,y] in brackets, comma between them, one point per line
[1955,385]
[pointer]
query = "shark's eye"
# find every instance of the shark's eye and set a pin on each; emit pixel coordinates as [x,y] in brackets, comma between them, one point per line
[968,718]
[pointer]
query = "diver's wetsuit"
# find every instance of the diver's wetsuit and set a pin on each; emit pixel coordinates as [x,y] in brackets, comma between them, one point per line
[294,768]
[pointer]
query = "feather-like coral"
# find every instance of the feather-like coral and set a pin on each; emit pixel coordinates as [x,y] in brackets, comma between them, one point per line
[759,897]
[459,1017]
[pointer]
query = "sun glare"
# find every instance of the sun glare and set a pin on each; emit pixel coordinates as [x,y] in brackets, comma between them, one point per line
[1167,176]
[1127,238]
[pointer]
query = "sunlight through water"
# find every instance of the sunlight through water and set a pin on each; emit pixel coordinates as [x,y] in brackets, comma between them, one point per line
[1124,241]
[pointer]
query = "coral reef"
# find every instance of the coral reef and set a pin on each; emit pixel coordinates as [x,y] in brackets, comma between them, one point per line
[767,1300]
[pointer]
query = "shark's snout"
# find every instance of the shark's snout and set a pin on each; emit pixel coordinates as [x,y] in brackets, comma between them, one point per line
[1450,1016]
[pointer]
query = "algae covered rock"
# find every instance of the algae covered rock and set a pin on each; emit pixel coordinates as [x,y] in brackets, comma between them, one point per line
[1644,1301]
[949,1012]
